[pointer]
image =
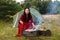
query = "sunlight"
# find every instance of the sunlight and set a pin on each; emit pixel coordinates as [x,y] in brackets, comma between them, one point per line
[19,0]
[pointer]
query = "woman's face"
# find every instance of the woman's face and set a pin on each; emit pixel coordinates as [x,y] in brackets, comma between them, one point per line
[27,11]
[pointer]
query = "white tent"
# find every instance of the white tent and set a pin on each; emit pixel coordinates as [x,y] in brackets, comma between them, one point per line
[37,17]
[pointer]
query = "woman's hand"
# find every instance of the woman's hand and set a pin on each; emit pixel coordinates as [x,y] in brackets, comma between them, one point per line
[21,22]
[33,25]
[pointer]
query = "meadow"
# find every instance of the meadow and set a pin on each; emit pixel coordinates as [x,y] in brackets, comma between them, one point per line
[7,32]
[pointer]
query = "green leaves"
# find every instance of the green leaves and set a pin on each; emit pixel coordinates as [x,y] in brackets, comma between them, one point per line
[8,7]
[41,6]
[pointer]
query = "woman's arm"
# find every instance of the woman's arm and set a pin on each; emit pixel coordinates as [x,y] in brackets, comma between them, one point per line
[21,19]
[32,21]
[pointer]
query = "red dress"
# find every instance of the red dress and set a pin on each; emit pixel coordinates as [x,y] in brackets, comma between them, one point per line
[25,25]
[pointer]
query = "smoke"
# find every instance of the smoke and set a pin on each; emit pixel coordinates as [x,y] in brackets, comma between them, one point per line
[53,7]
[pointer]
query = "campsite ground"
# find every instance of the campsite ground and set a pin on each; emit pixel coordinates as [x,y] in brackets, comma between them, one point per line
[7,32]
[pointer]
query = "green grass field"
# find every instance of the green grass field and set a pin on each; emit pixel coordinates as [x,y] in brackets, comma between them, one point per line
[7,32]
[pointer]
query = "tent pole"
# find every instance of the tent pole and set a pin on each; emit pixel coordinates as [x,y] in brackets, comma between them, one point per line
[15,21]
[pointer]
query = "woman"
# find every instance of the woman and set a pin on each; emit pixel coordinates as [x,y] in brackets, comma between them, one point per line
[25,22]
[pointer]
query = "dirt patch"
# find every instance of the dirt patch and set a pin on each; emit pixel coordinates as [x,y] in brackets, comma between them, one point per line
[51,16]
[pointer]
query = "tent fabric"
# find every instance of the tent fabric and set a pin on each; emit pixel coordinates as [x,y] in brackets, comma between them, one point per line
[37,17]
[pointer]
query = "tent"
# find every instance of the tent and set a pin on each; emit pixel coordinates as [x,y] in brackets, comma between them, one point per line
[37,17]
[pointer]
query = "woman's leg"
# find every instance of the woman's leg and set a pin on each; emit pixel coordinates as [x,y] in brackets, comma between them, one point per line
[25,26]
[30,25]
[20,30]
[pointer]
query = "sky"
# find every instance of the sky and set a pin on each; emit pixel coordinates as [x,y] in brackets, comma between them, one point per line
[19,0]
[23,0]
[55,0]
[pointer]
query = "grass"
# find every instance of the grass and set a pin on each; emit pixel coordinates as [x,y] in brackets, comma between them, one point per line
[7,32]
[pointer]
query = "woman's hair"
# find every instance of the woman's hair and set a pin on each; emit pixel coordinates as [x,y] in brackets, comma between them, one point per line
[29,15]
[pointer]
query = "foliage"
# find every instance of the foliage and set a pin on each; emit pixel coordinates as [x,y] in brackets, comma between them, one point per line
[8,8]
[41,6]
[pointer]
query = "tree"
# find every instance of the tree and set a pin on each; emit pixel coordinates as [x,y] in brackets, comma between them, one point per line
[41,6]
[8,8]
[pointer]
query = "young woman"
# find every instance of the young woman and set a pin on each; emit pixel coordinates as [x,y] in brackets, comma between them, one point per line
[25,22]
